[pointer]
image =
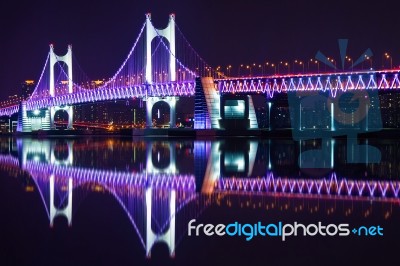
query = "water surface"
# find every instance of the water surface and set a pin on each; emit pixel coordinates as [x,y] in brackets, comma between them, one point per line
[123,201]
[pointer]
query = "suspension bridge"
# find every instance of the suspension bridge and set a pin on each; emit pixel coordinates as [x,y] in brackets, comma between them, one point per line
[163,66]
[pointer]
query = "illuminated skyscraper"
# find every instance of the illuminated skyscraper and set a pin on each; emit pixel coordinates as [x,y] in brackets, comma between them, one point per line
[27,88]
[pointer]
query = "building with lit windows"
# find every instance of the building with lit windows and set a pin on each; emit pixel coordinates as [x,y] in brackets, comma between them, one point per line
[27,88]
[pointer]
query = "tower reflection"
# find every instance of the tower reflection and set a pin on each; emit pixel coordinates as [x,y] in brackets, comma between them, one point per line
[161,185]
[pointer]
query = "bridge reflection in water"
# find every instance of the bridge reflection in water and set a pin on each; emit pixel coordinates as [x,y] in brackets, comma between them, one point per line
[158,181]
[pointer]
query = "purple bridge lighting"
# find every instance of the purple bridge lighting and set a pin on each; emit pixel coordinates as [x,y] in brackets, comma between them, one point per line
[155,70]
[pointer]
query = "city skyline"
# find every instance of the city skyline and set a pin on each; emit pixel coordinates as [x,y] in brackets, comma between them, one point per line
[101,42]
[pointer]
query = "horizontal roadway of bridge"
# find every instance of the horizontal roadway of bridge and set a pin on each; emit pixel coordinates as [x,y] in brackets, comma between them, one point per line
[360,189]
[332,82]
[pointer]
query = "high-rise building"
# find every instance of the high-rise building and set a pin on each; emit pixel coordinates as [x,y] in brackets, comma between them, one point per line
[27,88]
[389,109]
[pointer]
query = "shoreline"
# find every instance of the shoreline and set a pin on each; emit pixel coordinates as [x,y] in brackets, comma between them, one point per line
[192,133]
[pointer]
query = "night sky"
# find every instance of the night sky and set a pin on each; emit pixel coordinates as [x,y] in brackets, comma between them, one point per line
[222,32]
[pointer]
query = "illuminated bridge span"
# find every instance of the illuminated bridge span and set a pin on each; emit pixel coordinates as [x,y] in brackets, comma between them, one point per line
[324,186]
[331,82]
[151,201]
[159,180]
[163,66]
[184,88]
[361,189]
[82,175]
[8,160]
[8,111]
[140,91]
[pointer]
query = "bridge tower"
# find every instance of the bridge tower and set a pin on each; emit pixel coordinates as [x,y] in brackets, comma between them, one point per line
[42,151]
[44,119]
[66,161]
[152,169]
[169,34]
[168,236]
[67,210]
[67,59]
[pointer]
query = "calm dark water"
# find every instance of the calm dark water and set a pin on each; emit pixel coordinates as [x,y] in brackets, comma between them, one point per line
[123,201]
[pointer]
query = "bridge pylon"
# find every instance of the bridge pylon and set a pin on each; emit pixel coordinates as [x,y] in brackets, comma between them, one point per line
[43,119]
[170,169]
[168,236]
[169,34]
[170,100]
[67,59]
[67,210]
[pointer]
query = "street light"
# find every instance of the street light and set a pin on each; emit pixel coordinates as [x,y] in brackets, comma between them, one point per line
[308,64]
[239,69]
[274,66]
[267,65]
[370,60]
[228,70]
[316,61]
[302,65]
[349,59]
[387,56]
[218,71]
[299,63]
[334,62]
[285,64]
[280,63]
[208,69]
